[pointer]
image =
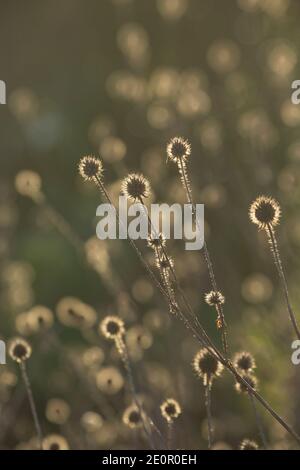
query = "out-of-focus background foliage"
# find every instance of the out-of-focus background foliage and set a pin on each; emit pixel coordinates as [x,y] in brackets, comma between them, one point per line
[118,78]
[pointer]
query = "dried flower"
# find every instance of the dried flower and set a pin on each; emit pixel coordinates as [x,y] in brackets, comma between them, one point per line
[206,365]
[112,327]
[135,187]
[19,350]
[247,444]
[265,211]
[90,168]
[214,298]
[244,361]
[170,410]
[178,149]
[55,442]
[250,379]
[132,417]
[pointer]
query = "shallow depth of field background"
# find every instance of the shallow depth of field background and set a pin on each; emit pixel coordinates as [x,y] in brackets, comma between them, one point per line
[118,78]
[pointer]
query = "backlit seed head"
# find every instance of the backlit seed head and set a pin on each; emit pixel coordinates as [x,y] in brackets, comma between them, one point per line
[250,379]
[112,327]
[91,421]
[265,211]
[55,442]
[28,183]
[132,417]
[156,241]
[247,444]
[57,411]
[178,149]
[170,410]
[109,380]
[40,318]
[90,168]
[244,361]
[206,365]
[75,313]
[19,350]
[214,298]
[165,262]
[135,187]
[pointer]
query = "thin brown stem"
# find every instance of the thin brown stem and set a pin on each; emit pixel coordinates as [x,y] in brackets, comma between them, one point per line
[208,414]
[32,404]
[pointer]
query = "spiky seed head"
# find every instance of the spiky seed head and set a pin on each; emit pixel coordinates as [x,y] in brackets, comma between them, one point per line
[265,211]
[206,365]
[19,350]
[55,442]
[244,361]
[250,379]
[247,444]
[214,298]
[156,241]
[90,168]
[165,262]
[132,417]
[135,187]
[178,149]
[112,327]
[170,410]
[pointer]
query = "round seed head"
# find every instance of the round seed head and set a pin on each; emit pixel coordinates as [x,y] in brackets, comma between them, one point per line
[250,379]
[178,149]
[55,442]
[206,365]
[90,168]
[214,298]
[265,211]
[109,380]
[244,361]
[132,417]
[135,187]
[170,410]
[75,313]
[57,411]
[19,350]
[40,318]
[112,327]
[247,444]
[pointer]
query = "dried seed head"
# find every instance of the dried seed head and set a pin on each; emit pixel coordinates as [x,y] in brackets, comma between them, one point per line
[170,410]
[250,379]
[244,361]
[156,241]
[57,411]
[40,318]
[28,183]
[135,187]
[265,211]
[165,262]
[247,444]
[109,380]
[19,350]
[214,298]
[90,168]
[132,417]
[55,442]
[206,365]
[178,149]
[112,327]
[91,421]
[72,312]
[93,357]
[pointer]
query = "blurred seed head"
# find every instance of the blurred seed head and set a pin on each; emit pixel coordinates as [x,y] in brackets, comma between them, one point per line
[40,318]
[172,10]
[170,410]
[91,421]
[214,298]
[248,444]
[112,327]
[206,366]
[135,187]
[178,149]
[57,411]
[112,149]
[90,168]
[250,379]
[223,56]
[109,380]
[19,350]
[265,211]
[55,442]
[29,183]
[244,362]
[72,312]
[93,357]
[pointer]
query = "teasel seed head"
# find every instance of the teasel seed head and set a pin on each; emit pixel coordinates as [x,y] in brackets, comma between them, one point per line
[19,350]
[55,442]
[135,187]
[178,149]
[244,362]
[90,168]
[132,417]
[214,298]
[207,366]
[156,241]
[170,410]
[250,379]
[112,327]
[265,211]
[247,444]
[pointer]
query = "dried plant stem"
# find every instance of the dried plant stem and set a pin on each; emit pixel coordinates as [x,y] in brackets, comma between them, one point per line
[278,264]
[208,413]
[32,404]
[258,422]
[200,334]
[170,436]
